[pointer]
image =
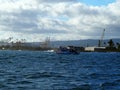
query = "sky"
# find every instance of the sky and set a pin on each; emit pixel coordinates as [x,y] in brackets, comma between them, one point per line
[34,20]
[97,2]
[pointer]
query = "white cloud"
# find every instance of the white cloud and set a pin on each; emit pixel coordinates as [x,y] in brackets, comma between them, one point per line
[63,19]
[55,1]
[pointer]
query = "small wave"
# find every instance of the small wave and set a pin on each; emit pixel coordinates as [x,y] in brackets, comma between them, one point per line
[42,75]
[49,51]
[97,75]
[118,81]
[2,85]
[24,82]
[82,87]
[110,86]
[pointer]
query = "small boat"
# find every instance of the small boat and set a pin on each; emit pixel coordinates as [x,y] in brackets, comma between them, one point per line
[67,50]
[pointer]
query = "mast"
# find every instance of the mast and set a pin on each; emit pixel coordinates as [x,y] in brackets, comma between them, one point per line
[46,43]
[101,40]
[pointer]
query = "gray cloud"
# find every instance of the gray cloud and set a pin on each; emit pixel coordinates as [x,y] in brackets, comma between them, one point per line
[63,20]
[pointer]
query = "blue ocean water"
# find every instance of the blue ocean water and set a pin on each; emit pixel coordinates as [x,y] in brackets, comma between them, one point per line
[36,70]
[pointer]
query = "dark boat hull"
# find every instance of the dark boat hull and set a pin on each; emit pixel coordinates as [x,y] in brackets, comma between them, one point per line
[66,52]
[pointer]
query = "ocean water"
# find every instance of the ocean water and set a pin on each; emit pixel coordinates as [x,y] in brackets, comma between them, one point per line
[36,70]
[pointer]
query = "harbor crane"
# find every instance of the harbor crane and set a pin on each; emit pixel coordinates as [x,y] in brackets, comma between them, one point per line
[101,40]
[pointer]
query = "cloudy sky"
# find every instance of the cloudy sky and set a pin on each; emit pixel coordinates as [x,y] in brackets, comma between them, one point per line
[34,20]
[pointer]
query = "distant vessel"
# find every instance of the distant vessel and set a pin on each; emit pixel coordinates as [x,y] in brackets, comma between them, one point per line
[67,50]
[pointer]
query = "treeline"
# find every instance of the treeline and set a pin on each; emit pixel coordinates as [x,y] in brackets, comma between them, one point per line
[112,46]
[23,47]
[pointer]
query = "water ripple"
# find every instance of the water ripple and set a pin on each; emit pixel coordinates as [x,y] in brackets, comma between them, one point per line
[36,70]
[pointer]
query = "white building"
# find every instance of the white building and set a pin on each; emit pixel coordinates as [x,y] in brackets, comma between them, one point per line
[94,49]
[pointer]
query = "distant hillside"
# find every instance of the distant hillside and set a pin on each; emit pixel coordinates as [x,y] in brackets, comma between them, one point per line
[84,43]
[54,44]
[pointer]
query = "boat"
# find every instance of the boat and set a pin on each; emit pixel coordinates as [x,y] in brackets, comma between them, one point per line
[67,50]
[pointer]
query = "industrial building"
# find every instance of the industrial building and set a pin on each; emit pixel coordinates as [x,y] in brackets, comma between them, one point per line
[93,49]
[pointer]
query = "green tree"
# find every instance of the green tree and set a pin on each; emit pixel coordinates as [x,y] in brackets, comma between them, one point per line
[111,46]
[111,43]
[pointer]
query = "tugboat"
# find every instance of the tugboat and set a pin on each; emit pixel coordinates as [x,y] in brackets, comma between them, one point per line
[67,50]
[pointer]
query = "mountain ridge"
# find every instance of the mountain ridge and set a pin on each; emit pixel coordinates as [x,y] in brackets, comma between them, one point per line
[82,43]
